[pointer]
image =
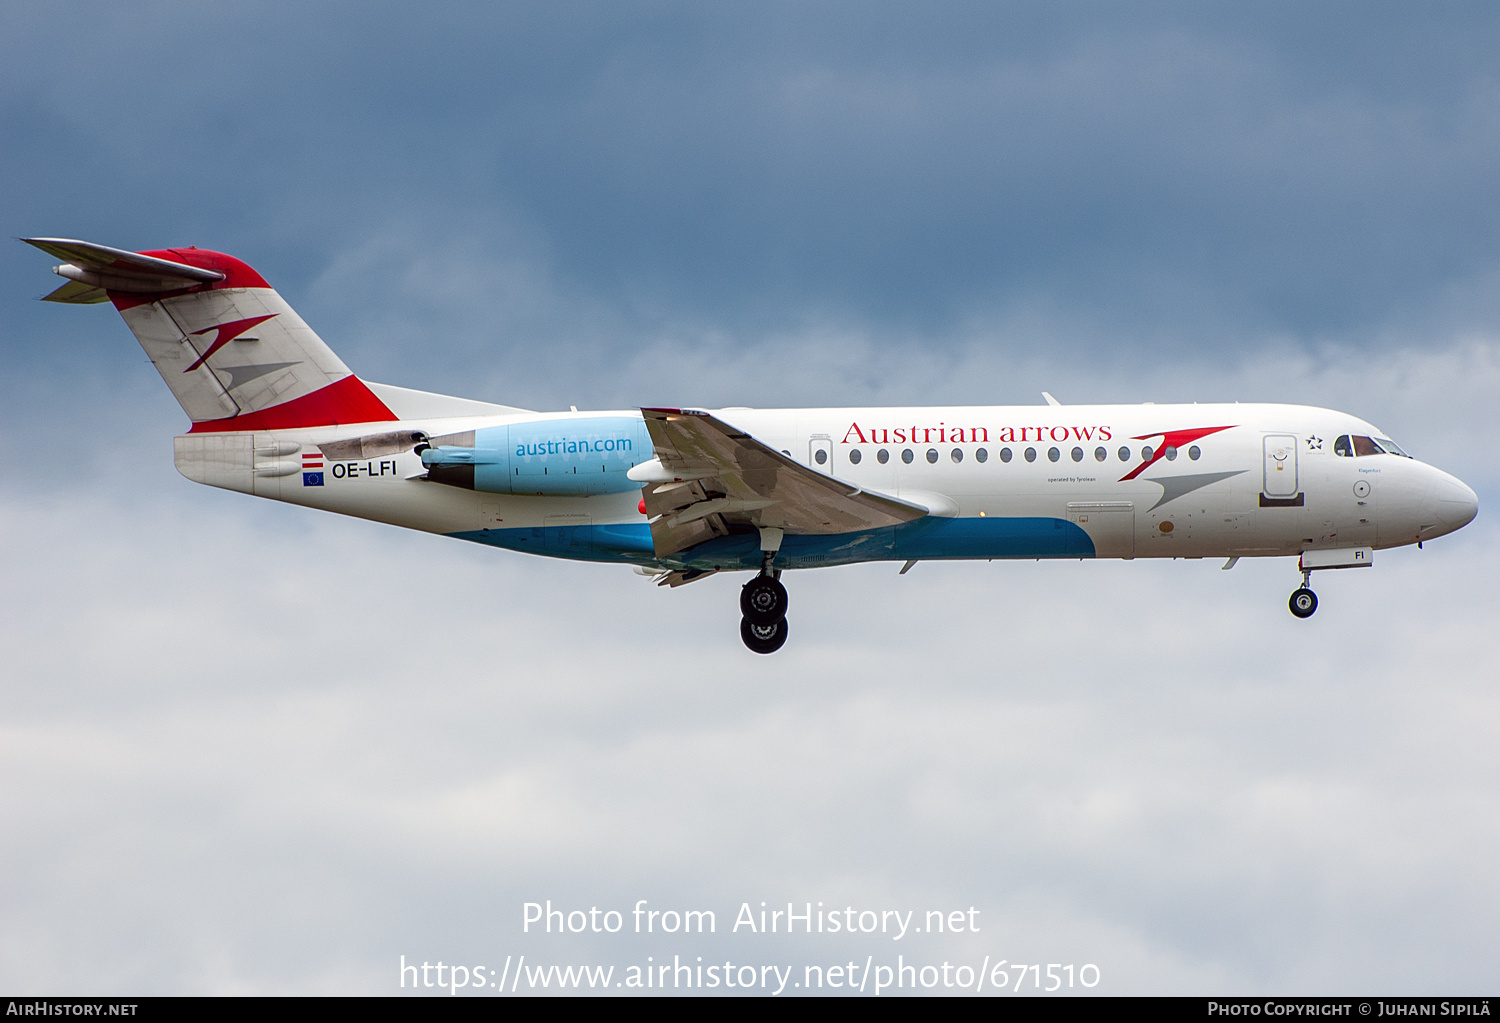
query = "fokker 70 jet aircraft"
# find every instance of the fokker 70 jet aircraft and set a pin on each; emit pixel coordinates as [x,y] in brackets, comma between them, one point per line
[681,493]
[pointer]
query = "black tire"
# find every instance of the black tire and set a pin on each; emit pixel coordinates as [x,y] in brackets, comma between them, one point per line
[1303,603]
[763,601]
[763,639]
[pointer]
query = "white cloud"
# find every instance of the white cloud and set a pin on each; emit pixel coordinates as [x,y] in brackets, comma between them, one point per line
[250,748]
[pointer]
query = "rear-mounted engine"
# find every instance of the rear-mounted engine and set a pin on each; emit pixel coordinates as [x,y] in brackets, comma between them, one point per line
[561,457]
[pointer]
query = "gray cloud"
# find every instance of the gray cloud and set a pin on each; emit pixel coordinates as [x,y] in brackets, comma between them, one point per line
[1307,173]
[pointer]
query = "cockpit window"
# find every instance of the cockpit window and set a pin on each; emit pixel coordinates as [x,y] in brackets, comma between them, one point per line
[1352,446]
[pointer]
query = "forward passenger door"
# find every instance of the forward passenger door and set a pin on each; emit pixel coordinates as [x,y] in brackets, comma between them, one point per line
[1280,465]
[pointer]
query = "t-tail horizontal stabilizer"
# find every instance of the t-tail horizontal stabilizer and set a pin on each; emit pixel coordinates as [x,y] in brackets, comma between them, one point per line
[94,270]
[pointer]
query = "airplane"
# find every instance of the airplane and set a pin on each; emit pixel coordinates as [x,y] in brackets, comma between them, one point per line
[683,493]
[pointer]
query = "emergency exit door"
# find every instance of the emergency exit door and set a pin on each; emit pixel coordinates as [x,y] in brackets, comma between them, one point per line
[820,452]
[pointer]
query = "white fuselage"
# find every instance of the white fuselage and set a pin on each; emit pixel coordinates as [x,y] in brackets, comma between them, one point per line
[1135,480]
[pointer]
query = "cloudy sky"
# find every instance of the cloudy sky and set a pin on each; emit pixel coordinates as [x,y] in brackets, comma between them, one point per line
[247,748]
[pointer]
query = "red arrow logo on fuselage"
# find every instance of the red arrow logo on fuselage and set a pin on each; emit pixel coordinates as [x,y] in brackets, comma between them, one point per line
[1169,439]
[227,333]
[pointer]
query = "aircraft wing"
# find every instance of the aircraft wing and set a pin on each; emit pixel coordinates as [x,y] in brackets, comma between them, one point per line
[721,476]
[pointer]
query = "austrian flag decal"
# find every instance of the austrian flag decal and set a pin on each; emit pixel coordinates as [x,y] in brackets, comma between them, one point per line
[312,470]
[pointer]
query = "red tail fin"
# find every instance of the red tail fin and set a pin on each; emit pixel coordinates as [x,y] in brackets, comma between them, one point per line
[233,352]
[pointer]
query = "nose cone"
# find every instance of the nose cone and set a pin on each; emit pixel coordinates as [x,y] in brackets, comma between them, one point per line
[1452,503]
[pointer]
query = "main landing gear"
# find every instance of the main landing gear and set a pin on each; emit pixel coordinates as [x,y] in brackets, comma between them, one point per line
[1304,601]
[763,601]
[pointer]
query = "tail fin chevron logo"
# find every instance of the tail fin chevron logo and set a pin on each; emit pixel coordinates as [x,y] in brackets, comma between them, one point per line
[227,333]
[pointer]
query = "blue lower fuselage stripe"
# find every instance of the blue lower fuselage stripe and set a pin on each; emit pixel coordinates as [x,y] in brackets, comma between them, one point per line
[927,539]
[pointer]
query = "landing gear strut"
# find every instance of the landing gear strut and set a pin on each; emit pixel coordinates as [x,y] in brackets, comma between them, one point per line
[1304,601]
[763,601]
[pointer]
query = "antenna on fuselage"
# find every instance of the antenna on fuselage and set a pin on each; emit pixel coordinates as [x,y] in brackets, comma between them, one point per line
[1050,400]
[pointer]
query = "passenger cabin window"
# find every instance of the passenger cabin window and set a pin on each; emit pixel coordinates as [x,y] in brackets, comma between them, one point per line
[854,456]
[882,456]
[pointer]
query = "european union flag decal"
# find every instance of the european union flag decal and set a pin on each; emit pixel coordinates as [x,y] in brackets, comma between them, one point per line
[312,479]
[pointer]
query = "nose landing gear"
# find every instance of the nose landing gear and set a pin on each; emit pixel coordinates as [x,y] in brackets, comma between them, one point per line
[763,601]
[1303,601]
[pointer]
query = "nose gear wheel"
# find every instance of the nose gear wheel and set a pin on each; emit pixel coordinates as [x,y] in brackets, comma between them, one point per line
[1303,602]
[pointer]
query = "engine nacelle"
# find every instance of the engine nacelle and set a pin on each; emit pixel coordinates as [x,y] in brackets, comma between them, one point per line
[576,456]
